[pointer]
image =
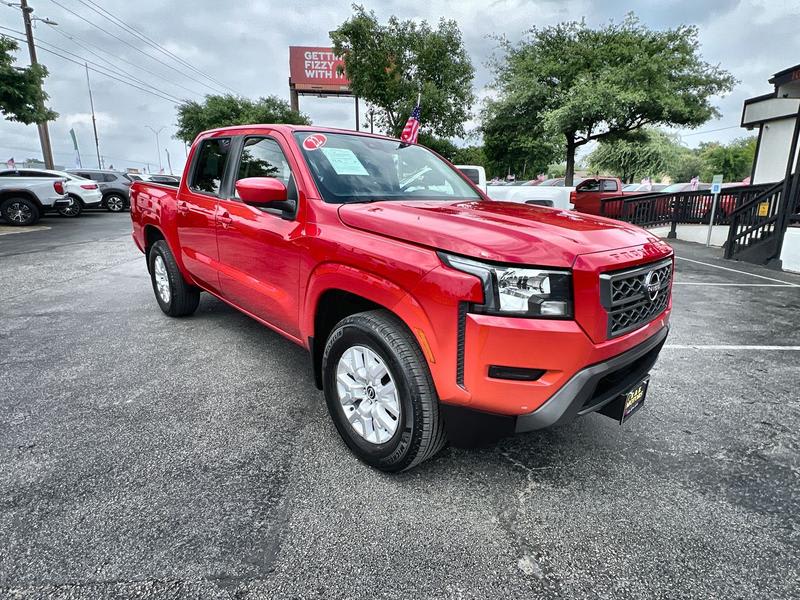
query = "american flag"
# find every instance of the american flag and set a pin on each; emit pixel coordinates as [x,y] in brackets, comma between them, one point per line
[411,130]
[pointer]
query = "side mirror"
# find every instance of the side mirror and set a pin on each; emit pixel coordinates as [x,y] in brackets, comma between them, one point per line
[261,191]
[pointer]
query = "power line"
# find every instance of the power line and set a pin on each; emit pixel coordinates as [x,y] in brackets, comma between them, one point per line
[84,43]
[709,131]
[116,37]
[106,73]
[113,69]
[109,16]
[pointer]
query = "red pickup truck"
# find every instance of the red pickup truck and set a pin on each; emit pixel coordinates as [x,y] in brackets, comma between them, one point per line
[422,303]
[588,193]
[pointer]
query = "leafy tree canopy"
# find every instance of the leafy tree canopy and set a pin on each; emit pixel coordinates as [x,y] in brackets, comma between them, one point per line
[222,111]
[21,95]
[592,84]
[389,64]
[734,161]
[645,153]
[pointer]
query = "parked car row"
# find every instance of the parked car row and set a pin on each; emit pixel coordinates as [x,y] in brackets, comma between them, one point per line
[27,194]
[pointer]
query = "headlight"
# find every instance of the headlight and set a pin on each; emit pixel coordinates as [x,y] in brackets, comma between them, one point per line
[514,290]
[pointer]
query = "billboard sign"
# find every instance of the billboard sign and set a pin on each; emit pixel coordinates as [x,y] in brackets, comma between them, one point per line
[315,69]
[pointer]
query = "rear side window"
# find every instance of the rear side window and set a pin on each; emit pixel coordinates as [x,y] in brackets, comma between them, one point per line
[109,177]
[473,175]
[210,166]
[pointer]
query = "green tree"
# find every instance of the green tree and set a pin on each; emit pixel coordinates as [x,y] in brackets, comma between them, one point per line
[734,161]
[221,111]
[594,84]
[644,153]
[389,64]
[686,164]
[21,95]
[515,143]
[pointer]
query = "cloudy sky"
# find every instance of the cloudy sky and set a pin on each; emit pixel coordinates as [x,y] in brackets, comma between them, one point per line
[242,46]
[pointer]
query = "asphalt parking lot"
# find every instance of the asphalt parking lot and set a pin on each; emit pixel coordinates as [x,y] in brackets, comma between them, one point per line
[150,457]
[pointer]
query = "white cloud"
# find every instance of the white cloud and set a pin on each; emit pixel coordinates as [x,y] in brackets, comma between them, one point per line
[246,49]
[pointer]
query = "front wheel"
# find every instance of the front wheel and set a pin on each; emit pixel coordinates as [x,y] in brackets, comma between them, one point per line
[73,209]
[19,211]
[380,393]
[174,294]
[115,203]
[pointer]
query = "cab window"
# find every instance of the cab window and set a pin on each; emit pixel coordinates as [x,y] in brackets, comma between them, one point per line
[210,166]
[263,157]
[609,185]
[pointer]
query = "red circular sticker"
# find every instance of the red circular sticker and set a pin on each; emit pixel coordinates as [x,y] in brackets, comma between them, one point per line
[314,141]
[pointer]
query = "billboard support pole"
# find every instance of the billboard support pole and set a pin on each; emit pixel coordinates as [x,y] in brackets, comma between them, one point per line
[357,117]
[294,100]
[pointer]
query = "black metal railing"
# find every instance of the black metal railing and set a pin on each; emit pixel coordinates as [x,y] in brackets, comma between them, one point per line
[691,207]
[756,220]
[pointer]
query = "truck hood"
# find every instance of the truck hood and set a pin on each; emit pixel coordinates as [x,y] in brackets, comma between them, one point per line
[496,231]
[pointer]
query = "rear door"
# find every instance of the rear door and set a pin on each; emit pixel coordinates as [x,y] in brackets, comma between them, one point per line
[259,247]
[197,208]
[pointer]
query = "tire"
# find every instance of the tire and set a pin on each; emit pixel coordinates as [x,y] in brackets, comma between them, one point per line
[20,212]
[418,433]
[73,210]
[174,295]
[114,203]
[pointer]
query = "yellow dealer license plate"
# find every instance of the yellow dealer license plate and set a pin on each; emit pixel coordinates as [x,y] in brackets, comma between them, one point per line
[625,405]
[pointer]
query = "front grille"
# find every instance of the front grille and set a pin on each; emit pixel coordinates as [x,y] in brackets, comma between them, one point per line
[633,297]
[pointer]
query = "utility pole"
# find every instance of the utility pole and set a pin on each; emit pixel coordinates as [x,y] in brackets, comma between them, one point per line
[44,132]
[158,145]
[371,113]
[94,121]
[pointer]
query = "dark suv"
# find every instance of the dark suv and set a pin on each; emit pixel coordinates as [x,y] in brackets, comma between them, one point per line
[114,185]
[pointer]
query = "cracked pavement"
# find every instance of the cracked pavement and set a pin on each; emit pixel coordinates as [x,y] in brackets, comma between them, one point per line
[147,457]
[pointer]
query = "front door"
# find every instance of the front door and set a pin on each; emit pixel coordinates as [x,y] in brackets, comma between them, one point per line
[197,210]
[258,247]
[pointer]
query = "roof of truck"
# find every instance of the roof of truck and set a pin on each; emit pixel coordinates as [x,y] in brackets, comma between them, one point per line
[286,128]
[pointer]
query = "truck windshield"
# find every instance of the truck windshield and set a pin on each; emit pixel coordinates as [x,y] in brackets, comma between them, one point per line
[356,168]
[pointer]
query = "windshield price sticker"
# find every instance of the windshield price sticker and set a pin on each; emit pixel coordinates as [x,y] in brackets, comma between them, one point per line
[344,161]
[315,141]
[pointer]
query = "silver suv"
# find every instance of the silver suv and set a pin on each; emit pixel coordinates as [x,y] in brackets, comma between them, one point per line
[114,185]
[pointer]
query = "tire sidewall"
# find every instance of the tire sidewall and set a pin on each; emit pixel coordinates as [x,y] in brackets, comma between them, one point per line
[35,213]
[158,250]
[390,454]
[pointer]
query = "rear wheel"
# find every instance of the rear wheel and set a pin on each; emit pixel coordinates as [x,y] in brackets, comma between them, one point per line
[380,393]
[174,294]
[19,211]
[115,203]
[73,209]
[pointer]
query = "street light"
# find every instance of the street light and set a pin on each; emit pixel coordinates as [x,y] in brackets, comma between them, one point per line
[158,146]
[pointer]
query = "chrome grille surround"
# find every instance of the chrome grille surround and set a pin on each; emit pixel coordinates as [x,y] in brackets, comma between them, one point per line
[634,297]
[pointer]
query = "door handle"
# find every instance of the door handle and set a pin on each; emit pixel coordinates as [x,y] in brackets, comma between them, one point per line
[225,219]
[183,208]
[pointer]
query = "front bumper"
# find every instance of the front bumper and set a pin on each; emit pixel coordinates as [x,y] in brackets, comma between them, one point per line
[593,387]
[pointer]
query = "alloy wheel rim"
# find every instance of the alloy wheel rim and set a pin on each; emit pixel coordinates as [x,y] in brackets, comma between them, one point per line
[114,203]
[71,209]
[162,280]
[19,213]
[368,394]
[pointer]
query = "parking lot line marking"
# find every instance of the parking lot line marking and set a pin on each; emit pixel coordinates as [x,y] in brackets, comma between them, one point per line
[8,229]
[691,260]
[725,347]
[735,284]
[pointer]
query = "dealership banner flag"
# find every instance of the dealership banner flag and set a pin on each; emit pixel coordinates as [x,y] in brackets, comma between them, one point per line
[411,130]
[75,146]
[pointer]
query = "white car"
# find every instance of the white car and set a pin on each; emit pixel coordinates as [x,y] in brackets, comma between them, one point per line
[555,197]
[83,193]
[23,200]
[475,173]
